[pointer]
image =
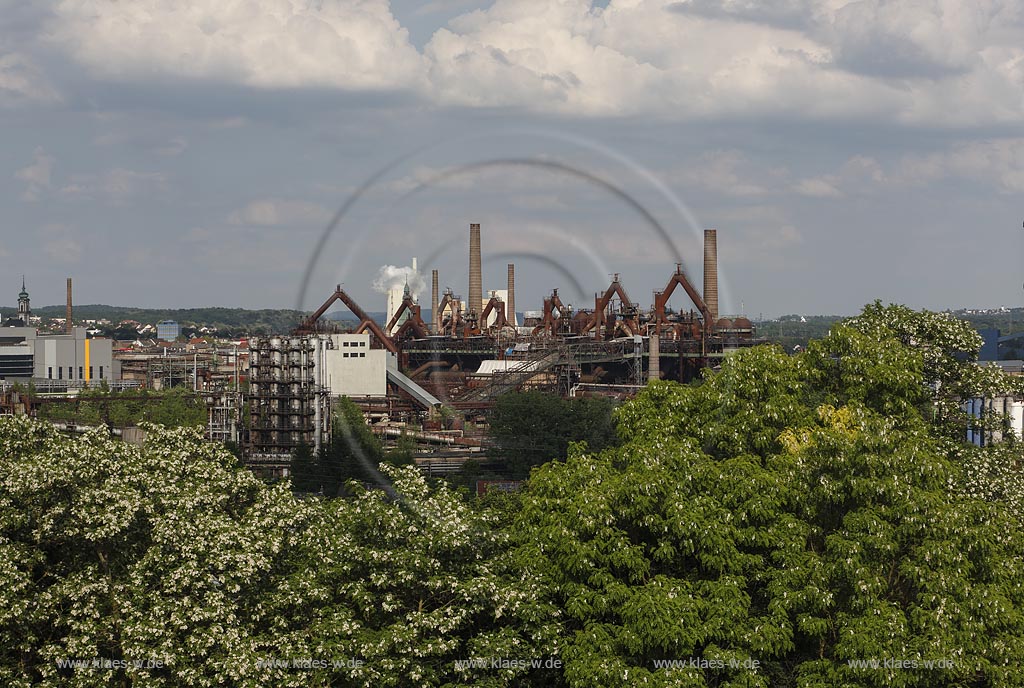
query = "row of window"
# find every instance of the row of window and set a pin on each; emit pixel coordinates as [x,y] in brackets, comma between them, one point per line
[361,354]
[361,342]
[60,373]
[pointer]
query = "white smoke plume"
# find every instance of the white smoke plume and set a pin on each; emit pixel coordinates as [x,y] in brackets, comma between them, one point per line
[393,276]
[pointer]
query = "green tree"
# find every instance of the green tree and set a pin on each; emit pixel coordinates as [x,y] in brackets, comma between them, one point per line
[170,552]
[353,452]
[796,511]
[531,428]
[303,469]
[109,550]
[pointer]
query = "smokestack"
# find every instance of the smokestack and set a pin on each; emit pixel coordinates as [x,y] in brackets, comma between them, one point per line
[476,289]
[711,272]
[512,294]
[435,314]
[68,325]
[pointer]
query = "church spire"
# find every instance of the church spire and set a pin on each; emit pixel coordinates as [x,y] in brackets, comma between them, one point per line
[24,310]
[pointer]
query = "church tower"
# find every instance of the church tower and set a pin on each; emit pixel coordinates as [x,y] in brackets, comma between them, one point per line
[24,310]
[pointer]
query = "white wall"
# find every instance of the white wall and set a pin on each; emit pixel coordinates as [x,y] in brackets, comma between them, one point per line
[353,369]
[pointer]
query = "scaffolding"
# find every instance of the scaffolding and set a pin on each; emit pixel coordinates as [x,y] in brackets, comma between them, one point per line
[287,405]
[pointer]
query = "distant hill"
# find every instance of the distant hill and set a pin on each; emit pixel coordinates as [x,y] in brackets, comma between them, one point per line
[228,319]
[271,320]
[788,330]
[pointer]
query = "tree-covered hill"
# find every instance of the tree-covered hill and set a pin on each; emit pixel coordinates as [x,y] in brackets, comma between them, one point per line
[235,320]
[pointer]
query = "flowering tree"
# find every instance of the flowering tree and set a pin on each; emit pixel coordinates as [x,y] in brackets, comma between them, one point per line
[168,565]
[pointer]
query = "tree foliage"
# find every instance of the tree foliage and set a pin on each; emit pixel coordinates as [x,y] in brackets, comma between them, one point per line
[170,553]
[786,517]
[798,511]
[353,453]
[531,428]
[176,407]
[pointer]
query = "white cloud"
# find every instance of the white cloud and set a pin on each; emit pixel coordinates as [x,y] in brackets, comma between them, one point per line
[997,162]
[352,44]
[933,62]
[37,174]
[270,212]
[832,59]
[116,186]
[173,148]
[818,188]
[727,172]
[60,244]
[23,83]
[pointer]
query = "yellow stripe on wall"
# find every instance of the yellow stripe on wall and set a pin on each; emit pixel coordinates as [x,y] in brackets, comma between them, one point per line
[87,376]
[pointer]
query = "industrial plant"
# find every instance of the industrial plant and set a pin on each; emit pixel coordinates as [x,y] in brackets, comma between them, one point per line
[430,374]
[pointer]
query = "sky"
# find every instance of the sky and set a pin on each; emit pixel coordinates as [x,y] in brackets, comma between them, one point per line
[176,153]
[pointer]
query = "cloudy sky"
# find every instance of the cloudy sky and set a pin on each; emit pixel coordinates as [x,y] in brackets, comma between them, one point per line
[194,153]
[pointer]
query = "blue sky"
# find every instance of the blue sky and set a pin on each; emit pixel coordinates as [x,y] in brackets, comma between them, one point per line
[191,153]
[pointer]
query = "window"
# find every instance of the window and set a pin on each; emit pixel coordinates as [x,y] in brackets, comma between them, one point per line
[362,355]
[345,355]
[101,372]
[80,376]
[49,372]
[90,372]
[60,372]
[71,373]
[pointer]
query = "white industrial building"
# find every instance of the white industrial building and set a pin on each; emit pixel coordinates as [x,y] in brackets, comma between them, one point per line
[1009,407]
[71,358]
[351,368]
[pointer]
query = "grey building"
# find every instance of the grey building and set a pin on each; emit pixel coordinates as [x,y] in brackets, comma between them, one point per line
[72,358]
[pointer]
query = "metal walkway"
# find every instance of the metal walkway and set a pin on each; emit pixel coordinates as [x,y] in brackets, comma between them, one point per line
[403,382]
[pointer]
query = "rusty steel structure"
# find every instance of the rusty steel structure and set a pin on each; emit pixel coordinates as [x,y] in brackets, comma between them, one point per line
[617,343]
[608,323]
[366,323]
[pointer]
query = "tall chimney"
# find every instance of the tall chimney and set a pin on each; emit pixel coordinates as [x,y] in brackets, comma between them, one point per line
[476,289]
[512,295]
[435,314]
[711,271]
[70,328]
[654,357]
